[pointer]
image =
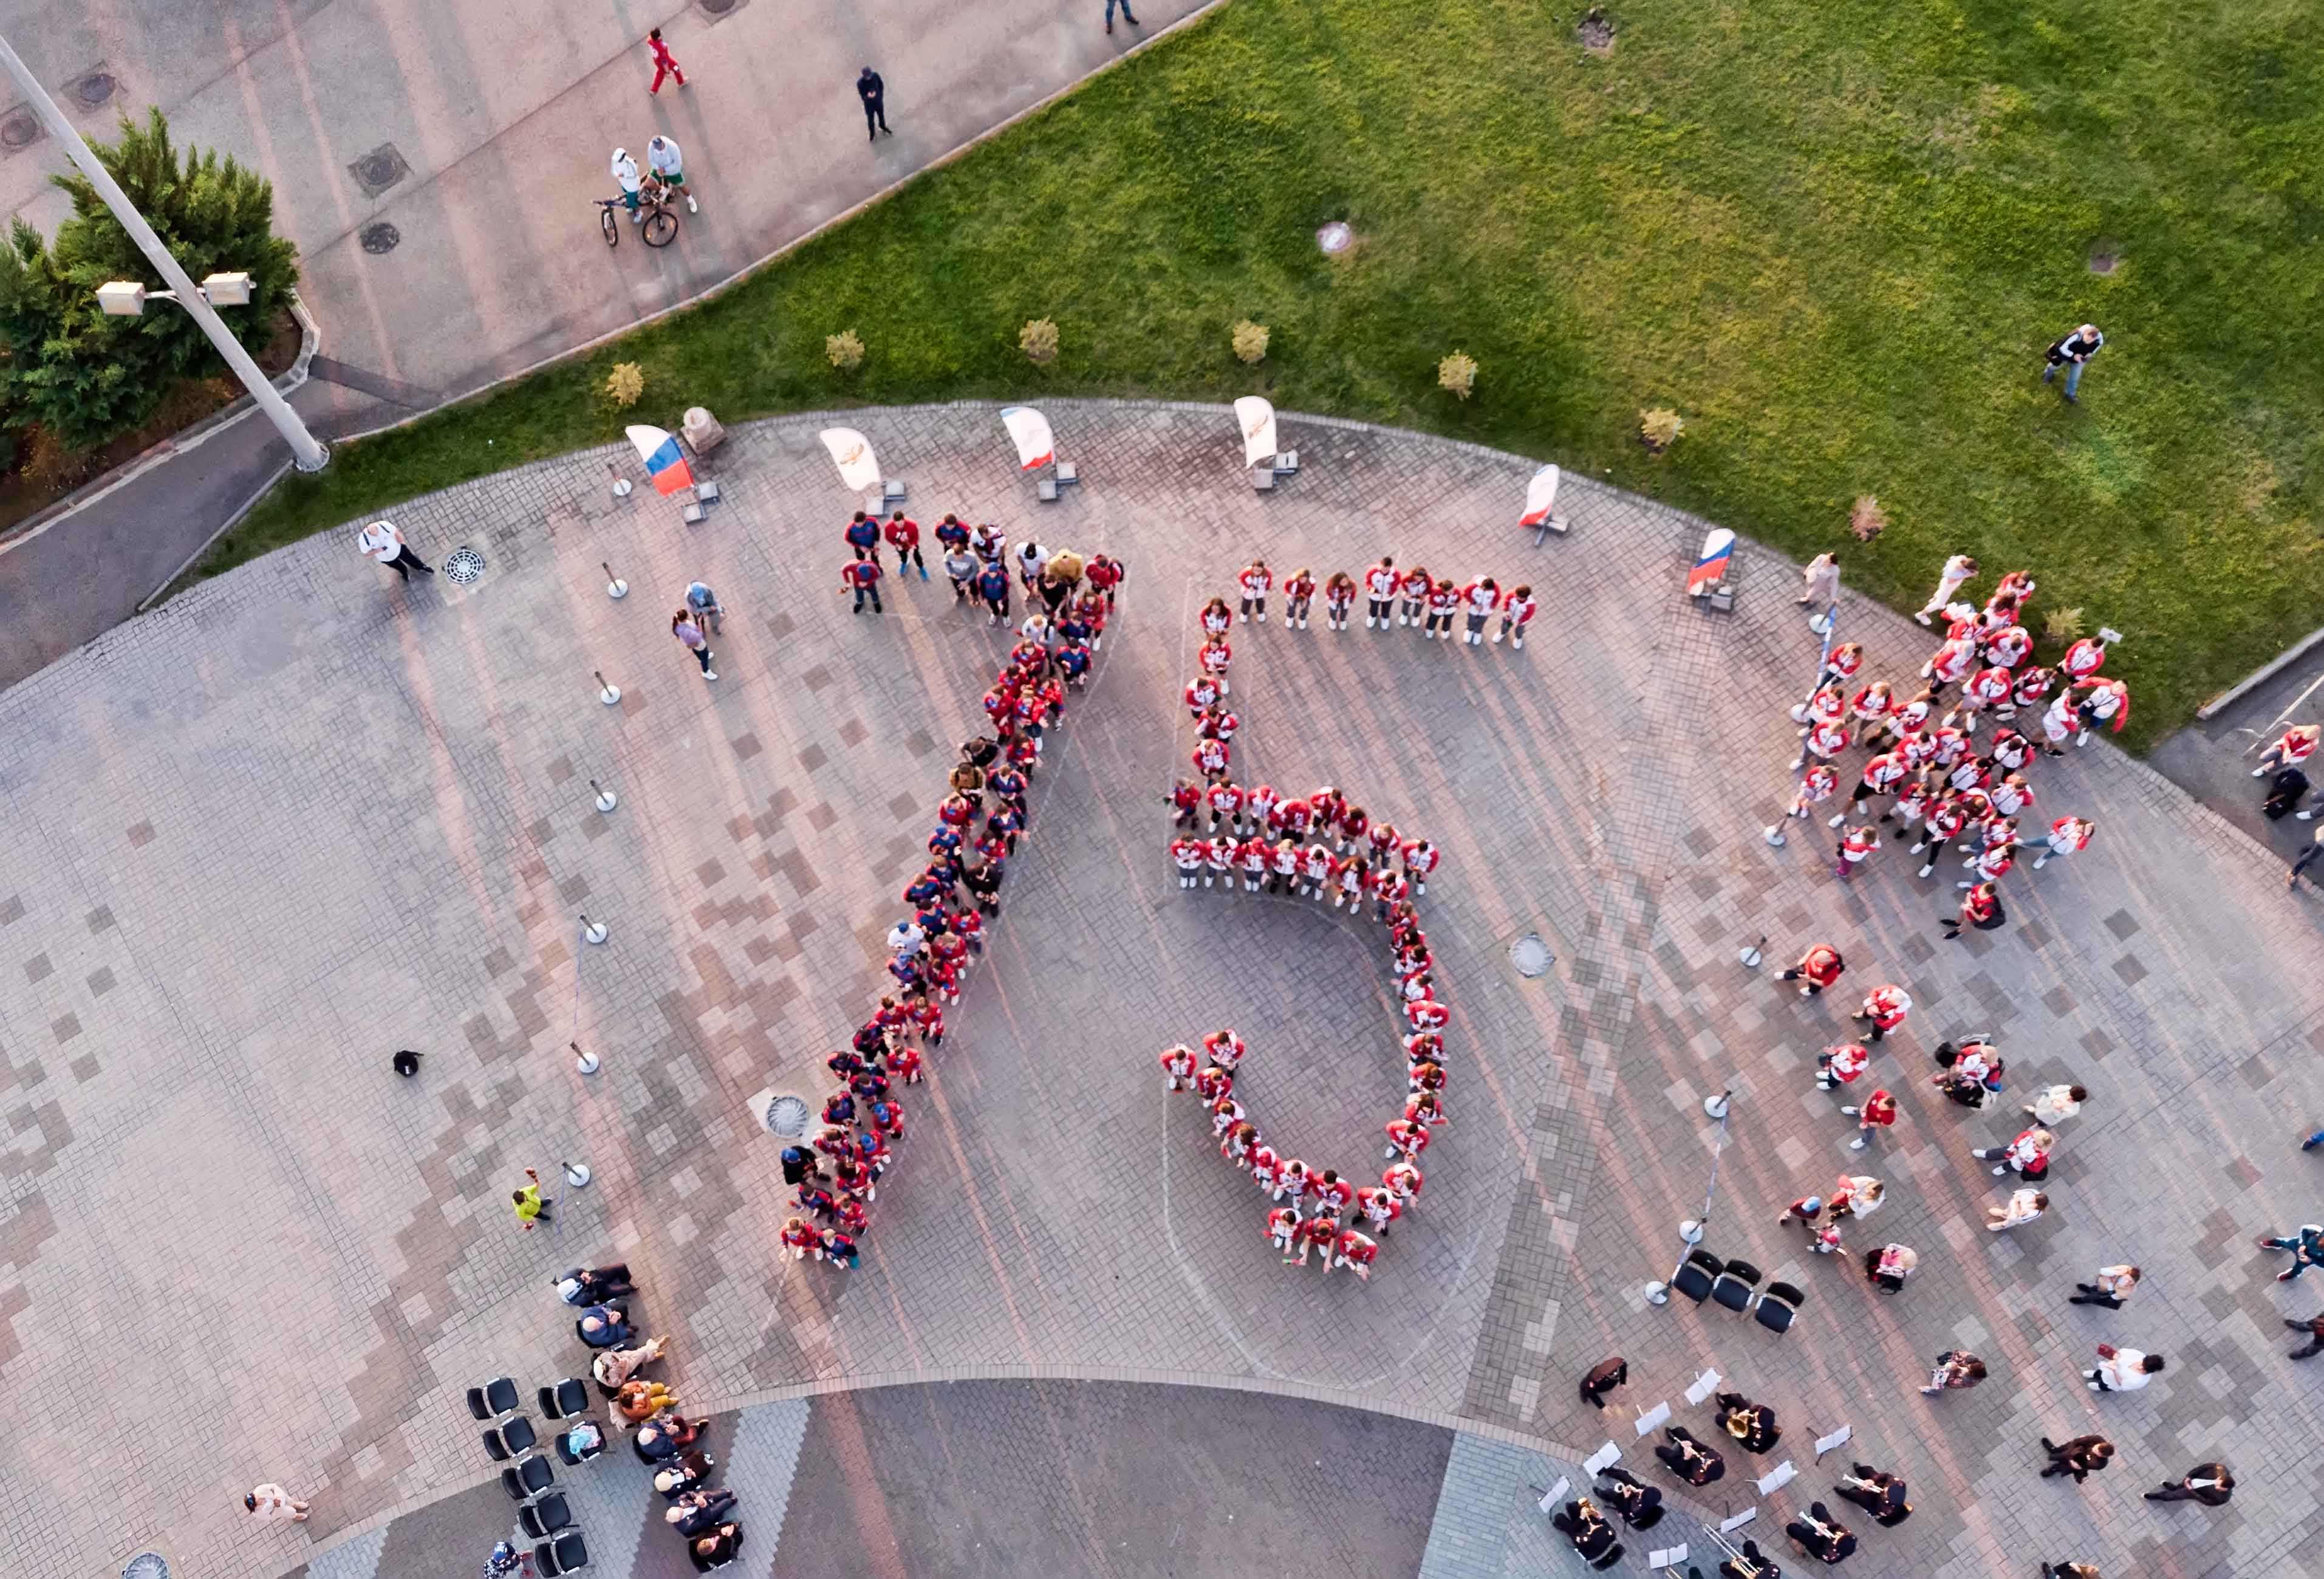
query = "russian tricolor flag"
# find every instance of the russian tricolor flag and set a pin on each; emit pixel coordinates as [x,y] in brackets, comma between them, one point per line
[665,462]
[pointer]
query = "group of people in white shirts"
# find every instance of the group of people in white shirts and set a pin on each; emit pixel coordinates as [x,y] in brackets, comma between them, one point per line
[1428,604]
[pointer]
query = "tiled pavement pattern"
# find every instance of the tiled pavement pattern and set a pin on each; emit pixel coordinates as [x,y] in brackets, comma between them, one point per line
[299,817]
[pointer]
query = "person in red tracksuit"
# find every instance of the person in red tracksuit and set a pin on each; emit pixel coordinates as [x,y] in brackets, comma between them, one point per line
[665,64]
[1820,967]
[1255,580]
[903,535]
[1884,1008]
[1298,595]
[862,577]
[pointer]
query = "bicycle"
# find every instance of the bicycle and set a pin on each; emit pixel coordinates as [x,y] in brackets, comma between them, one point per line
[658,226]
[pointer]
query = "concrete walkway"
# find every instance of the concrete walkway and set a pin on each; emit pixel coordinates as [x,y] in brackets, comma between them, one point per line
[436,165]
[302,817]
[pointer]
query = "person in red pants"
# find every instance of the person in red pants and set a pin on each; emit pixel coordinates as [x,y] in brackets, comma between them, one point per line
[665,63]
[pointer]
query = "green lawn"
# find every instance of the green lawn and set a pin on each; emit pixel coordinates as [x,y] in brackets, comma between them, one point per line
[1834,235]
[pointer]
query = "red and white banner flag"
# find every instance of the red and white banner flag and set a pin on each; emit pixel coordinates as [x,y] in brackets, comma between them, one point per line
[1541,497]
[1036,447]
[1256,418]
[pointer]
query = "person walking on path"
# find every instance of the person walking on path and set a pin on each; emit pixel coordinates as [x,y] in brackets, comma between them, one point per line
[1604,1377]
[2027,1154]
[530,1206]
[2122,1370]
[1878,1113]
[1958,571]
[2314,1327]
[384,542]
[2073,352]
[1884,1008]
[2307,1248]
[2109,1288]
[1955,1369]
[1980,908]
[690,636]
[665,63]
[2057,1103]
[1110,5]
[1819,968]
[1820,582]
[2068,835]
[2306,857]
[2080,1458]
[2021,1208]
[271,1504]
[2211,1484]
[2297,744]
[861,576]
[666,162]
[874,92]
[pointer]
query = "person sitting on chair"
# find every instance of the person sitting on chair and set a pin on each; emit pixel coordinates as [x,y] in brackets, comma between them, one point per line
[1639,1504]
[1750,1562]
[1586,1527]
[1752,1425]
[697,1510]
[1689,1459]
[1877,1492]
[594,1285]
[605,1326]
[681,1475]
[1820,1536]
[715,1549]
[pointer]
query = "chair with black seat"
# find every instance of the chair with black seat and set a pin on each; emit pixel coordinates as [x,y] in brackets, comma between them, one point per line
[477,1408]
[1734,1287]
[500,1398]
[568,1398]
[563,1443]
[567,1554]
[545,1517]
[528,1477]
[509,1439]
[1695,1274]
[1612,1555]
[494,1449]
[1778,1305]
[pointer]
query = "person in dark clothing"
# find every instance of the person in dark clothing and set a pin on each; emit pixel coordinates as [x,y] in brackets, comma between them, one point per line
[984,880]
[1588,1529]
[605,1326]
[2069,1571]
[2079,1458]
[715,1549]
[874,95]
[2314,1327]
[1820,1536]
[1689,1459]
[594,1285]
[1751,1425]
[2211,1484]
[2073,352]
[1752,1563]
[982,751]
[1639,1504]
[1877,1492]
[1604,1377]
[692,1512]
[1125,14]
[795,1164]
[405,1063]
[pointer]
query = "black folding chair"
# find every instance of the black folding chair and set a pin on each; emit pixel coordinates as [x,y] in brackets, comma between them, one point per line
[527,1478]
[500,1398]
[568,1397]
[567,1554]
[1695,1274]
[1777,1306]
[546,1516]
[1734,1285]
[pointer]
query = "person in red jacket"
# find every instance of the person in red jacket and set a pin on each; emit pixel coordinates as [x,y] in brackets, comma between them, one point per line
[1820,967]
[862,577]
[1878,1113]
[1980,908]
[665,63]
[903,535]
[1298,595]
[1255,580]
[1884,1008]
[1353,1250]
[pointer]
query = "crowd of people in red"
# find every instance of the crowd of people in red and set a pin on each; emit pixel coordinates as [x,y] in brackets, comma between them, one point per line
[1306,846]
[978,827]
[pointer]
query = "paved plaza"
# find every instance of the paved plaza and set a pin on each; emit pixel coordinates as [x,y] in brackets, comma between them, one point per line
[301,817]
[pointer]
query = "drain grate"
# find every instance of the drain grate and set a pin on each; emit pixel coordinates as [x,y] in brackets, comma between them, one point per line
[380,238]
[22,129]
[379,170]
[146,1565]
[463,567]
[787,1117]
[1531,955]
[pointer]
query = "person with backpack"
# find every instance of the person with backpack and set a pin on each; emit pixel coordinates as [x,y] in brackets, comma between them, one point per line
[2074,354]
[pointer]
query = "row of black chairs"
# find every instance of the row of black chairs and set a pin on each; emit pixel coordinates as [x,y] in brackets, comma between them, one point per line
[498,1397]
[1703,1276]
[542,1512]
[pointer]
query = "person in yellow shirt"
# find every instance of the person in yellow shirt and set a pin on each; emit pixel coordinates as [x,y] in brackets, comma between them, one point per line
[530,1206]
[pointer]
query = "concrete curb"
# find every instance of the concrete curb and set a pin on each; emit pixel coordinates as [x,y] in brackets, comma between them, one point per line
[2258,677]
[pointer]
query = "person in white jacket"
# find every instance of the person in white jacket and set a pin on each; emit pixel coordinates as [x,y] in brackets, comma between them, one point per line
[2122,1370]
[666,162]
[1958,572]
[625,176]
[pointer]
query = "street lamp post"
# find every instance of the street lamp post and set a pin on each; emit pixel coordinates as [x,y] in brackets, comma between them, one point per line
[310,456]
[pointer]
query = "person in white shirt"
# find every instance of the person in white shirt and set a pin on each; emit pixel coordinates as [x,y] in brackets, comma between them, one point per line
[625,176]
[1958,572]
[665,160]
[1820,582]
[1032,558]
[384,542]
[2113,1286]
[272,1504]
[2020,1209]
[2058,1101]
[2122,1370]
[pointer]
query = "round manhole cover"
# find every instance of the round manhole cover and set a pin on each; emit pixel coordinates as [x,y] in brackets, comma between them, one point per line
[146,1565]
[1335,237]
[377,170]
[1531,955]
[381,237]
[20,131]
[464,567]
[717,7]
[787,1116]
[95,88]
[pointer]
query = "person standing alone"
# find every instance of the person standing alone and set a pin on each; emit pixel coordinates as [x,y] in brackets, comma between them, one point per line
[2073,352]
[384,542]
[665,63]
[874,95]
[1110,5]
